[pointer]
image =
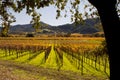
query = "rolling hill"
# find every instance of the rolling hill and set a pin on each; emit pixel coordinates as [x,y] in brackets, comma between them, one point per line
[86,28]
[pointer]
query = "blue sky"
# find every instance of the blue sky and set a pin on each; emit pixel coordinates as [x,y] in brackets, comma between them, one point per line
[48,16]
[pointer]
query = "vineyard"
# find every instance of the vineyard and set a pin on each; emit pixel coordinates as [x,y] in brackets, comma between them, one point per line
[83,55]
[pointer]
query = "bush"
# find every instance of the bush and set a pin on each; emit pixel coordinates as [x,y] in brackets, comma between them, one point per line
[29,35]
[98,34]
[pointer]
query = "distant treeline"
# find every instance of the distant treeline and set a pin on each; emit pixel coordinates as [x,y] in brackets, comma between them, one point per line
[97,34]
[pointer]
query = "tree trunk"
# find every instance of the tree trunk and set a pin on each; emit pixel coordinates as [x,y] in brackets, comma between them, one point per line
[4,32]
[110,22]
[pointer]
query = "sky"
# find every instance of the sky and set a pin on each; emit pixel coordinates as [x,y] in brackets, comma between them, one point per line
[48,16]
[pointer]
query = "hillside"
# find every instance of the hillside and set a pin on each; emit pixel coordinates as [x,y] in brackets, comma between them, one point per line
[87,28]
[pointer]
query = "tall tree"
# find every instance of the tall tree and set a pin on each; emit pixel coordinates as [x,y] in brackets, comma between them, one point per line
[107,10]
[110,21]
[6,17]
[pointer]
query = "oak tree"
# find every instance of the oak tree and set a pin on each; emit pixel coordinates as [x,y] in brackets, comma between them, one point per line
[108,11]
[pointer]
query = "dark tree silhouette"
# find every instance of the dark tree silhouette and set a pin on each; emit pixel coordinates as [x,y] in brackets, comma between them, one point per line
[110,22]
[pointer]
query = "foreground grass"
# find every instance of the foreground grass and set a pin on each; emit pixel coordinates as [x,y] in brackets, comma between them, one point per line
[53,62]
[8,73]
[16,71]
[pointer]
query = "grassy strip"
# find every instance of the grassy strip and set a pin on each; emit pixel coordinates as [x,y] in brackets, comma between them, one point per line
[67,65]
[51,60]
[99,68]
[23,58]
[38,60]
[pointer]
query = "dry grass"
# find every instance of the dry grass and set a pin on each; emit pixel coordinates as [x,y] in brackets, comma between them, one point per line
[16,71]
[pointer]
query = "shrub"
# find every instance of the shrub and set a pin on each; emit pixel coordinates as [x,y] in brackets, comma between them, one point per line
[29,35]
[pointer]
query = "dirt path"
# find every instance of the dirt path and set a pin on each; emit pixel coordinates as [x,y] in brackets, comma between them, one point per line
[16,71]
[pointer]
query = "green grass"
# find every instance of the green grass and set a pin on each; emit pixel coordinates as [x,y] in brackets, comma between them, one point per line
[23,58]
[53,61]
[1,53]
[95,71]
[6,56]
[67,65]
[38,60]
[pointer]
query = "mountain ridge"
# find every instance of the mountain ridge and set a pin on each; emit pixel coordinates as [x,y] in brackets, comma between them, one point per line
[86,28]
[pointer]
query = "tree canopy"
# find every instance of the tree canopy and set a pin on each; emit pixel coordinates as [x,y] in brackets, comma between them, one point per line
[31,6]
